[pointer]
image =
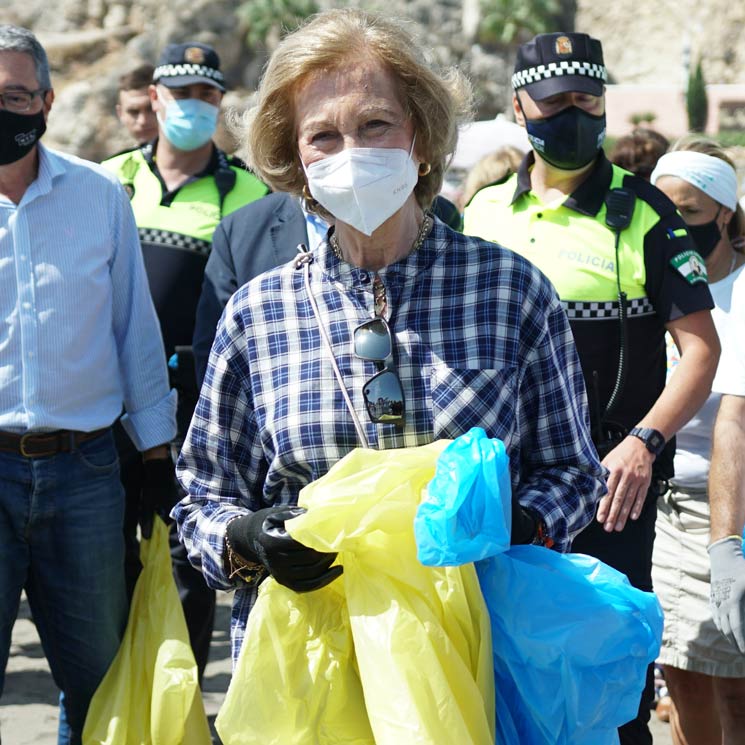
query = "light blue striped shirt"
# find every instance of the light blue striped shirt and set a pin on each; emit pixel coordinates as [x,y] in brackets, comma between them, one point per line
[79,337]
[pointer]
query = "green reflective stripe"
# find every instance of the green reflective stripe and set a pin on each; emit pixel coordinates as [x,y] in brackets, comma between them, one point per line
[678,232]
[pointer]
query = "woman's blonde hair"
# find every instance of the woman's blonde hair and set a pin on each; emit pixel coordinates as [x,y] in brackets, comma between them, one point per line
[435,103]
[700,144]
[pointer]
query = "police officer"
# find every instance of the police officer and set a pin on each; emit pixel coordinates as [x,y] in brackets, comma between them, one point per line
[627,271]
[133,108]
[180,186]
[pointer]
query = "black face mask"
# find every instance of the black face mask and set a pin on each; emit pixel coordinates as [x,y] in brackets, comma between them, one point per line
[18,134]
[706,236]
[568,140]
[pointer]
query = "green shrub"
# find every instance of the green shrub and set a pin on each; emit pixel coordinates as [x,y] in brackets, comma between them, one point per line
[697,103]
[731,138]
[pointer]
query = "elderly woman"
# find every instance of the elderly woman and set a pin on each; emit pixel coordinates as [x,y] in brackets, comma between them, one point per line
[705,674]
[394,332]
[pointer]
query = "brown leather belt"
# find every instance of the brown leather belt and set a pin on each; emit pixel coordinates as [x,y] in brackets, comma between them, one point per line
[41,444]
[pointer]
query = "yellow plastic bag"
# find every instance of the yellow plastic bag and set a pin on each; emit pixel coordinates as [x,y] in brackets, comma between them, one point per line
[150,694]
[392,652]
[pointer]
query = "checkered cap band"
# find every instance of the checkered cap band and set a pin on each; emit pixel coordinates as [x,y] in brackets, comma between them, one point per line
[558,69]
[176,240]
[187,68]
[590,311]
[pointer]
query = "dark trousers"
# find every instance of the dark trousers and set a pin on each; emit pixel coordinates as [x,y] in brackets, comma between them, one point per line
[197,599]
[629,551]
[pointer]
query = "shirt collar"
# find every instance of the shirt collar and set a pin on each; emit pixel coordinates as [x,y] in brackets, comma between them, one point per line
[587,198]
[217,160]
[407,269]
[149,149]
[50,167]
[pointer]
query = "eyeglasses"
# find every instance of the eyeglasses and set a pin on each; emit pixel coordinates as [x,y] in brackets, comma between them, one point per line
[384,395]
[19,101]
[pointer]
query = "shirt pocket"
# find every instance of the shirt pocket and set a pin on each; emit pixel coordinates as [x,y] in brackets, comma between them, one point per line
[463,398]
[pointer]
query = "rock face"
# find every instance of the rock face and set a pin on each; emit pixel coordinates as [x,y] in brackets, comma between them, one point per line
[91,42]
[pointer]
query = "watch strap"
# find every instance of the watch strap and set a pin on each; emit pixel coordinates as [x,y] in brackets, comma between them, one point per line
[653,439]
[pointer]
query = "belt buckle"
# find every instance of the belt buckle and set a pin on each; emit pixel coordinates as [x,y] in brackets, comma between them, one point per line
[25,453]
[22,445]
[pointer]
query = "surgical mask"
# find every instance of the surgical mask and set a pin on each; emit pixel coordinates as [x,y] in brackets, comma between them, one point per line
[706,236]
[568,140]
[189,123]
[18,134]
[363,186]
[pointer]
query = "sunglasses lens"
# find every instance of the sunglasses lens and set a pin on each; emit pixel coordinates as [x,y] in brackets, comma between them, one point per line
[372,340]
[384,398]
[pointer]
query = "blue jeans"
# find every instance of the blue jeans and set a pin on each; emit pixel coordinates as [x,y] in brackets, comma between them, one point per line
[61,540]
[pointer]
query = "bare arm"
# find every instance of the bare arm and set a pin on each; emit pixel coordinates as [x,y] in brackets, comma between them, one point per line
[727,497]
[727,475]
[630,464]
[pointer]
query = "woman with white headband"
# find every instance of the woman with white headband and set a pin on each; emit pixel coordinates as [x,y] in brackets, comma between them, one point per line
[705,673]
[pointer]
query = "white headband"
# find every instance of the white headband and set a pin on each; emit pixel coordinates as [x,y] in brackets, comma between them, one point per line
[713,176]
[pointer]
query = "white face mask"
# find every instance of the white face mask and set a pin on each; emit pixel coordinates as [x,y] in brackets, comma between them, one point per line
[363,186]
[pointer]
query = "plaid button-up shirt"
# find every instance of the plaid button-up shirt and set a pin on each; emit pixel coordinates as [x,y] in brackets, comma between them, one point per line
[480,339]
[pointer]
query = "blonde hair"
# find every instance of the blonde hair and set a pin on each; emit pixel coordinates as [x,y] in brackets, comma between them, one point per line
[491,168]
[699,144]
[435,103]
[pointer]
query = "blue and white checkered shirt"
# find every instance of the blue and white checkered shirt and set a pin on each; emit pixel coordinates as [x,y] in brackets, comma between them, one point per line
[480,339]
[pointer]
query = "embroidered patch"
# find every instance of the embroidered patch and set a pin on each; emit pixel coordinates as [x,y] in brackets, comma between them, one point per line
[564,45]
[691,266]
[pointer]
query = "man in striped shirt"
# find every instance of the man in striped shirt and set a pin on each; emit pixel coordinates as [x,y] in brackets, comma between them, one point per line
[79,341]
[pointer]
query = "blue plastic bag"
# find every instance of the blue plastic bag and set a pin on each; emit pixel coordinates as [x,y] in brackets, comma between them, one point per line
[458,519]
[571,637]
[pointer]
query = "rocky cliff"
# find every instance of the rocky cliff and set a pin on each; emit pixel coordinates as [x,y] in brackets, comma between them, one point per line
[91,42]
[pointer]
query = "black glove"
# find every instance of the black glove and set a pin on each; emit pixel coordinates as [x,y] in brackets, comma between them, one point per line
[160,492]
[524,524]
[261,537]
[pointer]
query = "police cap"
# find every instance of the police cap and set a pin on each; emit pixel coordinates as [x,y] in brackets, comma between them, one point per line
[187,64]
[560,63]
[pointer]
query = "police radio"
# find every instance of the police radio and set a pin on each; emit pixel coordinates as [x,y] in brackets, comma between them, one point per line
[619,210]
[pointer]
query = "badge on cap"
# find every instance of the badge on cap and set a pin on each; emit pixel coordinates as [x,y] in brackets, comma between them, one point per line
[563,45]
[195,55]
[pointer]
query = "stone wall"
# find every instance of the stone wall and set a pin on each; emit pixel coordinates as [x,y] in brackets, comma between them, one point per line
[91,42]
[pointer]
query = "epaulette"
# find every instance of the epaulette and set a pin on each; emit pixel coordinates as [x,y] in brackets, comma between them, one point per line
[122,152]
[234,160]
[658,201]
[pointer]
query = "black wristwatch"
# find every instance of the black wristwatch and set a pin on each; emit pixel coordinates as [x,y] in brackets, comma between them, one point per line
[653,439]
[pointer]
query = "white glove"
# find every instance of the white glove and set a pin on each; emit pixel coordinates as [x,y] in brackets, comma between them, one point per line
[727,599]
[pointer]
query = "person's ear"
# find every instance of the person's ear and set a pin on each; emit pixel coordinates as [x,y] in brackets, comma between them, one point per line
[47,103]
[727,215]
[517,110]
[155,103]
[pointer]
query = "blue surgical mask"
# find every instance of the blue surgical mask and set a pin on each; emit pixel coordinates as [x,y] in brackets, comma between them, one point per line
[189,123]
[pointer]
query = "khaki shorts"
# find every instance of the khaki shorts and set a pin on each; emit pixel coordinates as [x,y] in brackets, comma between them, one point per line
[680,573]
